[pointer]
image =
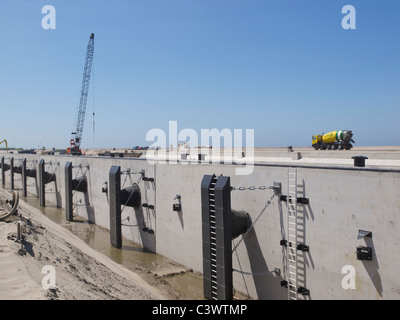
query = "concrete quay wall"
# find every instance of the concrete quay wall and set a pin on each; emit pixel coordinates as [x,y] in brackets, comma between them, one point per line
[342,200]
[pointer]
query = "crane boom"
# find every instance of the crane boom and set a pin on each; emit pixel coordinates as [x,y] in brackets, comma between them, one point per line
[76,140]
[5,143]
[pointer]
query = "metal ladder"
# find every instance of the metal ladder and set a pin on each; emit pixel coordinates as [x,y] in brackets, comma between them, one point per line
[213,239]
[291,253]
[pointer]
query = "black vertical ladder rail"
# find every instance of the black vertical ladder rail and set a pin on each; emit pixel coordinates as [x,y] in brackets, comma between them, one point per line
[68,191]
[208,242]
[128,197]
[12,173]
[115,206]
[223,219]
[78,184]
[217,237]
[24,177]
[3,170]
[44,178]
[42,185]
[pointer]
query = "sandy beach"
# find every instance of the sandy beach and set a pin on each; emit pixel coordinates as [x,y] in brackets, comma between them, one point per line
[81,273]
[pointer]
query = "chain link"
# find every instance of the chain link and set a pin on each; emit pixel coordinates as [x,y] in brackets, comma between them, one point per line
[254,273]
[255,221]
[252,225]
[128,172]
[251,188]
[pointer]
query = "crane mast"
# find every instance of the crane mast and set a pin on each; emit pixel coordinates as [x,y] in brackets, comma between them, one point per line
[76,139]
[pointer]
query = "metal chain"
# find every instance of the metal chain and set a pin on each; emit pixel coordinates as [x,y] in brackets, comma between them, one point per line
[129,198]
[245,234]
[51,166]
[253,273]
[255,221]
[83,175]
[251,188]
[128,172]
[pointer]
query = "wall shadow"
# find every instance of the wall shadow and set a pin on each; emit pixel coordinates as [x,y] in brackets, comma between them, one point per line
[372,267]
[148,238]
[267,285]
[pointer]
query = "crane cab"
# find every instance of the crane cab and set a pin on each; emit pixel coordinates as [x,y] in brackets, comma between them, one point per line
[74,149]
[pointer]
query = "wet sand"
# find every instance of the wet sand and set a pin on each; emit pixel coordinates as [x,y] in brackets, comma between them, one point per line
[81,273]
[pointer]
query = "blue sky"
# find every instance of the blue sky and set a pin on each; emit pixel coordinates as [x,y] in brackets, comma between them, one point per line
[286,69]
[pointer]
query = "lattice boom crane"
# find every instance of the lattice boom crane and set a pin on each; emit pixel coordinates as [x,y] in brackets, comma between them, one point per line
[76,139]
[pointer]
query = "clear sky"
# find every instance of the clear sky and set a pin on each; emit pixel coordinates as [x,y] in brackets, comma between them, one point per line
[285,68]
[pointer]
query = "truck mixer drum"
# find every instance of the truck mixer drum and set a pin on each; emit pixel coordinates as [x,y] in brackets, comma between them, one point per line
[131,196]
[241,223]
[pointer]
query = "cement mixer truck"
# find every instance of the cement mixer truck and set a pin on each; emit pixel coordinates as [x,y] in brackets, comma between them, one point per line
[334,140]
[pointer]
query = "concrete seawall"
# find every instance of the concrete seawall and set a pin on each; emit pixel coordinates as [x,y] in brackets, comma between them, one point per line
[343,200]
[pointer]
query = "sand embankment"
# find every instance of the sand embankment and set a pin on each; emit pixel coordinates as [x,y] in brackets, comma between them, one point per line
[81,273]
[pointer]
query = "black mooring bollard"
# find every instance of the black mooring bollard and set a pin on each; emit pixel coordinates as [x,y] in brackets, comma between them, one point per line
[359,161]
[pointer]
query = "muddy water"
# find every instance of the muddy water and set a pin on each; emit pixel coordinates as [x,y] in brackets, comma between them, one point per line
[173,280]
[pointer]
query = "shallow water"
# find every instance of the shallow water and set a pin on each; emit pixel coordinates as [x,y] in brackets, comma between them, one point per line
[179,282]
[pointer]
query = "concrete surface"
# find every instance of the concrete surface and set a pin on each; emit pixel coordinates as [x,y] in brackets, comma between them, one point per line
[343,199]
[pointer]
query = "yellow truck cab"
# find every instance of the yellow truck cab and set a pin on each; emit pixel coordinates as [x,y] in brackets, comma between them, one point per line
[316,139]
